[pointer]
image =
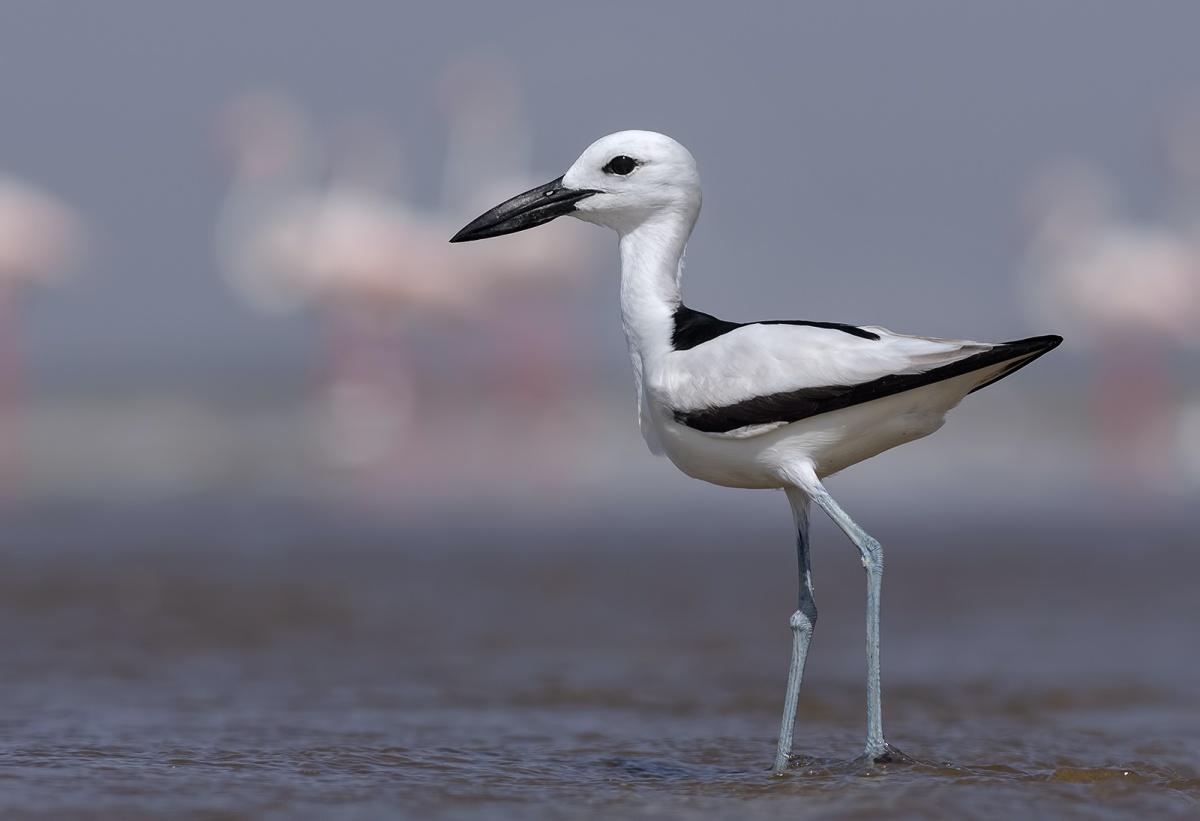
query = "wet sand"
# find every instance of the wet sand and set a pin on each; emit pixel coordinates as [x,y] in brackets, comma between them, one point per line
[285,661]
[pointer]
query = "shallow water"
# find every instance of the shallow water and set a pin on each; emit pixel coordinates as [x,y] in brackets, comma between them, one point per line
[281,661]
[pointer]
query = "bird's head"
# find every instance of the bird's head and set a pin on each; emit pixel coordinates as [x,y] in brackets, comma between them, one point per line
[619,181]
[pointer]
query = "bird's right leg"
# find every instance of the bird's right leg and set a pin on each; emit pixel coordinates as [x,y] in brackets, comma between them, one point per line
[802,623]
[877,750]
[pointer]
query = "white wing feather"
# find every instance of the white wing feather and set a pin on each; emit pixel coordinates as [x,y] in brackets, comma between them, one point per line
[757,360]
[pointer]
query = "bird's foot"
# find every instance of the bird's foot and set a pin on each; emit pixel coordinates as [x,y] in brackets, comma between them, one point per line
[885,754]
[871,762]
[808,765]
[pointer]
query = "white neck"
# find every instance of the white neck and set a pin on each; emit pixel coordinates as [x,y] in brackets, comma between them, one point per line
[651,266]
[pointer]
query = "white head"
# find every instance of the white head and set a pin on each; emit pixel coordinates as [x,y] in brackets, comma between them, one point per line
[638,174]
[620,181]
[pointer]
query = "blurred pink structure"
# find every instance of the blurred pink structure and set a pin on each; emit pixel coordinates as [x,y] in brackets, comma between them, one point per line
[41,241]
[1129,291]
[319,223]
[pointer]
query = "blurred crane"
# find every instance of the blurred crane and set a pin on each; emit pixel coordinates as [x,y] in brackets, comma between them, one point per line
[1183,162]
[41,240]
[317,223]
[1131,292]
[295,233]
[525,276]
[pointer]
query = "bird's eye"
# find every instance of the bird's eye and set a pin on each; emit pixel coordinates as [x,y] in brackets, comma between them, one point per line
[620,165]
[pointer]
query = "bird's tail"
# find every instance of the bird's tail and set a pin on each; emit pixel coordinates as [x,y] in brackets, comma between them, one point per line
[1013,355]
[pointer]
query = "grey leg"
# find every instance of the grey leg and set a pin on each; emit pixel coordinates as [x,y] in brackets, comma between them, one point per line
[802,623]
[872,559]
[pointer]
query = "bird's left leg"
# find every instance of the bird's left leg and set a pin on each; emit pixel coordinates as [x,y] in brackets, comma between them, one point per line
[872,559]
[802,623]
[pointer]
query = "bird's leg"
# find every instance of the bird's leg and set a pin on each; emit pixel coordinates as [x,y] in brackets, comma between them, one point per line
[802,623]
[872,559]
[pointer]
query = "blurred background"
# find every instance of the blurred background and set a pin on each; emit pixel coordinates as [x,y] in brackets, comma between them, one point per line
[252,204]
[251,398]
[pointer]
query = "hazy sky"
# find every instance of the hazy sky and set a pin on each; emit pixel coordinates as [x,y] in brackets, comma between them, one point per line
[862,161]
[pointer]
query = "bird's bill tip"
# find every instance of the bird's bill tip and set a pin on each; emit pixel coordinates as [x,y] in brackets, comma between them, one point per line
[536,206]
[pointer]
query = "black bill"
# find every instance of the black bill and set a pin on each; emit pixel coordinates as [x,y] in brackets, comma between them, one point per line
[527,210]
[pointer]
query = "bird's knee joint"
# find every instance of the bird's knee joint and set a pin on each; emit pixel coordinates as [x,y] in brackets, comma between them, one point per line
[872,556]
[803,621]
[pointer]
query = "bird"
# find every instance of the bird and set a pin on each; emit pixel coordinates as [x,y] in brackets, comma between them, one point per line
[307,226]
[42,239]
[1128,290]
[325,222]
[776,404]
[1109,279]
